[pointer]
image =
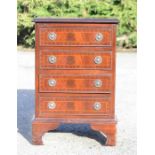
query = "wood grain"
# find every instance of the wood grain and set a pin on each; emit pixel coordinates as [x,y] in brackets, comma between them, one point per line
[74,105]
[72,83]
[74,94]
[73,59]
[75,35]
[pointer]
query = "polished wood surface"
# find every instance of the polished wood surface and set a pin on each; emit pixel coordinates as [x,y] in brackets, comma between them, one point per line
[74,105]
[75,59]
[77,20]
[75,35]
[80,83]
[66,72]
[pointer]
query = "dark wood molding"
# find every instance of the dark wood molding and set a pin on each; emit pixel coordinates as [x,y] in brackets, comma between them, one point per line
[76,20]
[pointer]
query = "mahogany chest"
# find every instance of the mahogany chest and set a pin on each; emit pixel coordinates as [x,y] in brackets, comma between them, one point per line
[74,75]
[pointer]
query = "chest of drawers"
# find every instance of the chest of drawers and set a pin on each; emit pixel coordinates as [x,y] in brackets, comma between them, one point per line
[74,75]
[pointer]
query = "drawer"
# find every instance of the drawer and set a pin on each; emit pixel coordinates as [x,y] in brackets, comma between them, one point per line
[59,59]
[75,83]
[78,104]
[75,35]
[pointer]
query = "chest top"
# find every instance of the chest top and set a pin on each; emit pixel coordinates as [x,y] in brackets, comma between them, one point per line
[76,20]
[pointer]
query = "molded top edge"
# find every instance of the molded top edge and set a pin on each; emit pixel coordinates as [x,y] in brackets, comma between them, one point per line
[76,20]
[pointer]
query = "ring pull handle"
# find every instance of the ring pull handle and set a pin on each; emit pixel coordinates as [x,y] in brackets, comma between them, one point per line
[99,36]
[98,83]
[52,82]
[98,59]
[51,105]
[52,59]
[52,36]
[97,105]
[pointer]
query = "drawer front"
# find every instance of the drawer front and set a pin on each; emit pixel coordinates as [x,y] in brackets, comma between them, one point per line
[75,83]
[74,105]
[75,35]
[59,59]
